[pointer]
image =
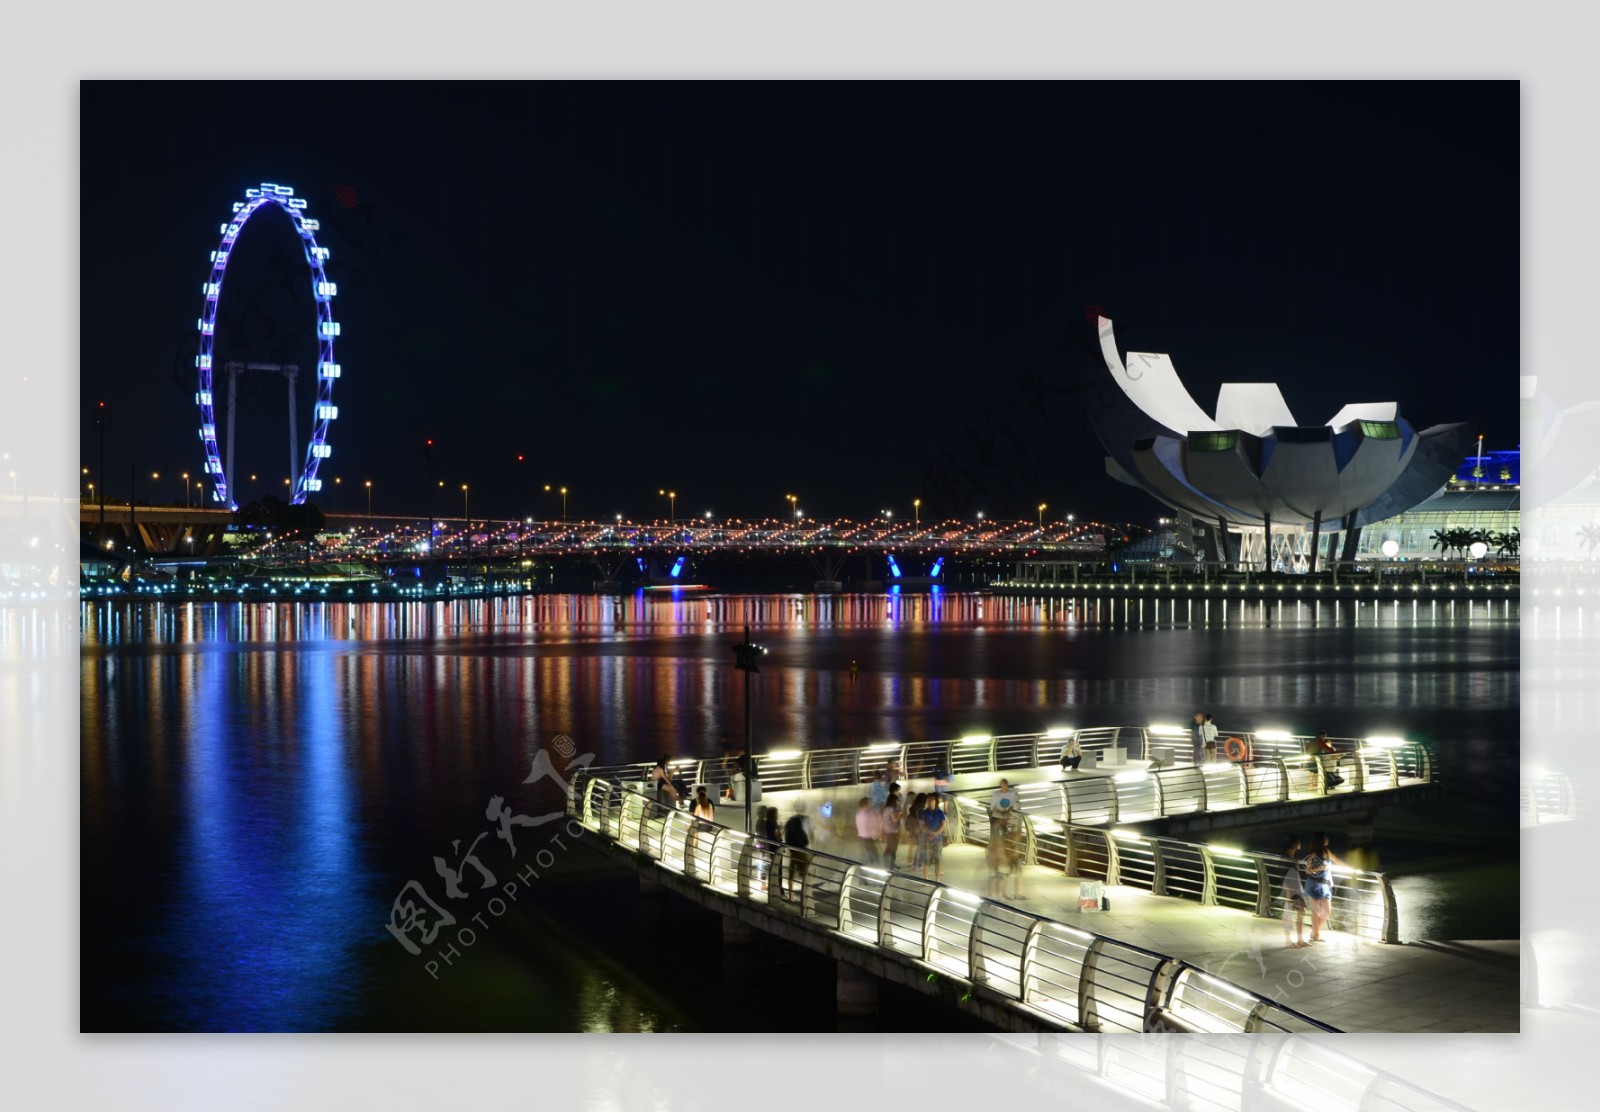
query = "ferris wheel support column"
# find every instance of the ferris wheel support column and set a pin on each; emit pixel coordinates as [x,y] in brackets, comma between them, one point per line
[292,373]
[233,406]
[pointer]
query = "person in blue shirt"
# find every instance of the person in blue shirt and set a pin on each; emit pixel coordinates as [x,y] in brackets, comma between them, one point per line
[933,828]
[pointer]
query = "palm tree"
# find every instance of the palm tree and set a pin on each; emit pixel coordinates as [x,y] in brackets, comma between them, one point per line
[1507,544]
[1591,537]
[1442,540]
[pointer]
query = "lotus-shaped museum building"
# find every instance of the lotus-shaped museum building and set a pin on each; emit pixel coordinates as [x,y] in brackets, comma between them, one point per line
[1250,466]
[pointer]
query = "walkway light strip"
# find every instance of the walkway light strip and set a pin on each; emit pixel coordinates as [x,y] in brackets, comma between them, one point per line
[974,739]
[1274,736]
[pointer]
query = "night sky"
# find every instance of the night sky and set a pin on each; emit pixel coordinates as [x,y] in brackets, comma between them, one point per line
[856,293]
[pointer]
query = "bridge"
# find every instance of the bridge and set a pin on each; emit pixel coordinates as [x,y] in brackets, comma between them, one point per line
[1187,940]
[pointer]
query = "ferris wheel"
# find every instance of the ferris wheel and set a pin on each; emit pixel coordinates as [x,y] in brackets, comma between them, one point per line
[327,329]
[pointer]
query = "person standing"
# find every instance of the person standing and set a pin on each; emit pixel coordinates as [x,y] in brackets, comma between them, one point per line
[933,826]
[666,793]
[797,837]
[1005,829]
[1318,868]
[1208,739]
[1198,735]
[878,789]
[913,830]
[889,819]
[868,819]
[1294,897]
[770,838]
[705,816]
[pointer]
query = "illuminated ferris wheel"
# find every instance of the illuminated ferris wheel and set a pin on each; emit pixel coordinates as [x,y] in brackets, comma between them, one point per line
[322,292]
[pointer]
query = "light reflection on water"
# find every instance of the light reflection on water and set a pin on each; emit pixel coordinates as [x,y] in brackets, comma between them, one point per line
[261,779]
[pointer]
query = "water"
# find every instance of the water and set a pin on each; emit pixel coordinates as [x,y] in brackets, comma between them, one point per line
[260,781]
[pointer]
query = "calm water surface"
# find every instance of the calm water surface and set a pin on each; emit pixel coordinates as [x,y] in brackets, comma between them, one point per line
[259,781]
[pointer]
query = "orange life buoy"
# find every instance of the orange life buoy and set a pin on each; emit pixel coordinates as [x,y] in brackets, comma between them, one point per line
[1236,749]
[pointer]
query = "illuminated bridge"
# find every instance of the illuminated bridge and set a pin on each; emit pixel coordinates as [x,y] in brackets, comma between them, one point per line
[170,529]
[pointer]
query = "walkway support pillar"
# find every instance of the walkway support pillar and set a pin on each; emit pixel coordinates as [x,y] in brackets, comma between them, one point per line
[735,932]
[855,990]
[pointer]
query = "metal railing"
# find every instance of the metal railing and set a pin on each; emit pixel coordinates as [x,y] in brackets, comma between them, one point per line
[1548,798]
[1363,901]
[1059,974]
[1274,768]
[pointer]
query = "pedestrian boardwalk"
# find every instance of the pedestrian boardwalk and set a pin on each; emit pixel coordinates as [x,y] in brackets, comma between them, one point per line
[966,927]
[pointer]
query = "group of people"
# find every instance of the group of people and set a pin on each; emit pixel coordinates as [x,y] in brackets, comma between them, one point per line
[1308,886]
[883,822]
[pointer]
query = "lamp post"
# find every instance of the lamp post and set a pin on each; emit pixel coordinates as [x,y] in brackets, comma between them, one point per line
[563,505]
[792,500]
[916,510]
[369,498]
[466,518]
[102,422]
[672,504]
[1041,515]
[747,659]
[186,490]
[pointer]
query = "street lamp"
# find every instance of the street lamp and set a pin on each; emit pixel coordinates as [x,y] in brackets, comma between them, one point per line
[186,490]
[916,509]
[369,498]
[563,504]
[1041,515]
[747,659]
[792,500]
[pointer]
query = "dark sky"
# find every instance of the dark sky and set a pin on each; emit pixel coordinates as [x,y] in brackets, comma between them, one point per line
[857,293]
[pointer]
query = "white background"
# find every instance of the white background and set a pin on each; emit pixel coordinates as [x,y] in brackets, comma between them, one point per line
[45,1063]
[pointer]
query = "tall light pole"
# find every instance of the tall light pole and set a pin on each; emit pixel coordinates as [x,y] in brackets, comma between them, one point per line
[672,504]
[793,499]
[747,659]
[102,422]
[521,479]
[186,490]
[563,504]
[466,518]
[1041,515]
[427,451]
[916,509]
[369,498]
